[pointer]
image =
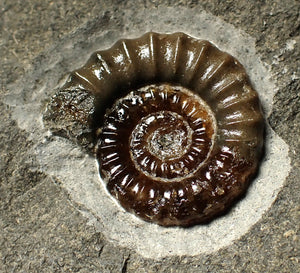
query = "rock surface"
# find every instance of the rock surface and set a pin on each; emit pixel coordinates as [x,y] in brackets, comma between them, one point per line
[42,228]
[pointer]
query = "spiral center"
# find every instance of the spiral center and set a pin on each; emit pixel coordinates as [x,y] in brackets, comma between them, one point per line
[163,132]
[169,135]
[176,136]
[166,145]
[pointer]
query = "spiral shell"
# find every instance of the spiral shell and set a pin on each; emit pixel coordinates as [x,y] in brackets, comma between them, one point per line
[178,125]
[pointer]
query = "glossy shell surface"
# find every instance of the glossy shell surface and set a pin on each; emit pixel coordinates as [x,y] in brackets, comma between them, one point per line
[178,126]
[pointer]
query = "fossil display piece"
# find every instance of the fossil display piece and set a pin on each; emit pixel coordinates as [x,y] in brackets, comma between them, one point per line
[174,122]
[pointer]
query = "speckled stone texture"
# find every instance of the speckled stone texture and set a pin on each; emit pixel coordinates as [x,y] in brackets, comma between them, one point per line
[41,228]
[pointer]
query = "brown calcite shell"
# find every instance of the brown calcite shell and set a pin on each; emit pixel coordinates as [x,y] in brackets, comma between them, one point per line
[177,125]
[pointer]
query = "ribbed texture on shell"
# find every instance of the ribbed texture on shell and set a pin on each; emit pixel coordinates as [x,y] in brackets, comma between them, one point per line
[215,76]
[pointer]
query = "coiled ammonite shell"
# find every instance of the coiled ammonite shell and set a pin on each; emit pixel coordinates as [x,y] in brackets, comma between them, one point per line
[178,125]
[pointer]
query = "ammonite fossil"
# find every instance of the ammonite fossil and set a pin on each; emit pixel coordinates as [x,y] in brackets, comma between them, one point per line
[177,125]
